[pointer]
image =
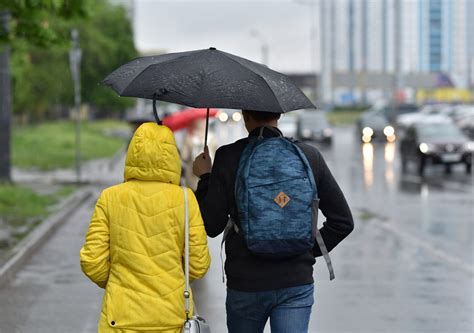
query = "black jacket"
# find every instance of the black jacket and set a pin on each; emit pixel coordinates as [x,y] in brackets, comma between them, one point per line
[245,271]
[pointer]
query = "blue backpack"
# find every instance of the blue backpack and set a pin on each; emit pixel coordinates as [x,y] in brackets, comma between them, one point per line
[277,199]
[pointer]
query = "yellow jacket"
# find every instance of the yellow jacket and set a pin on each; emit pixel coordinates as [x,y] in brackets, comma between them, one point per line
[135,243]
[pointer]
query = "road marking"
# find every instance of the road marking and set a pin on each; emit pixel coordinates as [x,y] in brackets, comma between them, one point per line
[390,226]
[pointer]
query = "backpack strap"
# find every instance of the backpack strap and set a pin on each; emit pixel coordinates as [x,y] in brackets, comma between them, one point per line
[316,232]
[320,241]
[230,225]
[308,153]
[260,135]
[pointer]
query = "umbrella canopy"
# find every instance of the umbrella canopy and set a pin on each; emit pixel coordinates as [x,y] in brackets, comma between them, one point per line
[208,78]
[183,118]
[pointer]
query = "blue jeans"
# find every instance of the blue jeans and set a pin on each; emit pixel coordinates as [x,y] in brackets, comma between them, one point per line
[289,310]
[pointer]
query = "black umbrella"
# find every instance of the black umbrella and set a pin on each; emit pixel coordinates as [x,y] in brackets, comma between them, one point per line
[207,78]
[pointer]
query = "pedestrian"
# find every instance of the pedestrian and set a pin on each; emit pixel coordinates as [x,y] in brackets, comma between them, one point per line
[261,287]
[135,243]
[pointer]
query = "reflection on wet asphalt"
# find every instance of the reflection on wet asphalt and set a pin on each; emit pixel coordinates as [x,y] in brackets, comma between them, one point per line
[407,267]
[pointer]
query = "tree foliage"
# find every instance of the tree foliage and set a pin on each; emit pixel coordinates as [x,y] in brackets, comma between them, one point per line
[107,43]
[40,40]
[31,19]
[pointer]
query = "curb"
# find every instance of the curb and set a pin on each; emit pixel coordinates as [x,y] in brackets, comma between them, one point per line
[23,250]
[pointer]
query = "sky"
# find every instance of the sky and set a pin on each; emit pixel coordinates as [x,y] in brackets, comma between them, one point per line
[174,26]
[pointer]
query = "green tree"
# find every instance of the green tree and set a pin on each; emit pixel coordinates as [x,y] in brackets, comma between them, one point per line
[41,80]
[31,19]
[27,21]
[107,43]
[41,77]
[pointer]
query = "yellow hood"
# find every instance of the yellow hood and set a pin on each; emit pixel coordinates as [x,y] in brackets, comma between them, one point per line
[152,155]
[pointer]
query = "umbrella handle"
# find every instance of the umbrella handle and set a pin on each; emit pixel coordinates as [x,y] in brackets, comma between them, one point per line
[155,113]
[207,128]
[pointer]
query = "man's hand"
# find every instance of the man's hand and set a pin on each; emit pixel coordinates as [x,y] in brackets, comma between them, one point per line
[202,163]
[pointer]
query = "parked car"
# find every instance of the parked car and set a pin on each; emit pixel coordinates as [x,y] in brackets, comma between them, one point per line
[434,142]
[314,126]
[374,125]
[440,108]
[462,111]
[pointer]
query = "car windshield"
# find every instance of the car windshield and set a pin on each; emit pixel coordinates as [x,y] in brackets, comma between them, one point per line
[437,131]
[314,120]
[402,109]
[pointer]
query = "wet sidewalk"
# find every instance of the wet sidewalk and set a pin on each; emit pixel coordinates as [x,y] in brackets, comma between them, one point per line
[50,293]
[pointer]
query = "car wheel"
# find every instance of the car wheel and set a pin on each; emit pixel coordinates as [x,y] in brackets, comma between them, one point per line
[421,166]
[468,168]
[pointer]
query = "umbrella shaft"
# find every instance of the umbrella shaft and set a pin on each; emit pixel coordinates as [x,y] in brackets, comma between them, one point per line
[207,128]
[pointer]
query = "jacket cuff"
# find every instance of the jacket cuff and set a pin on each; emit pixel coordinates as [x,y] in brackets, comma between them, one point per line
[205,176]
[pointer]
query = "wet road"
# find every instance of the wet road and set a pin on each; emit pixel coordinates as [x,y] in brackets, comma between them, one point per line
[407,267]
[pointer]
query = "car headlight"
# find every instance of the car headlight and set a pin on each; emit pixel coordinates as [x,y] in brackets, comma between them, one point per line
[236,116]
[306,133]
[367,132]
[388,131]
[425,147]
[327,132]
[223,117]
[469,146]
[391,138]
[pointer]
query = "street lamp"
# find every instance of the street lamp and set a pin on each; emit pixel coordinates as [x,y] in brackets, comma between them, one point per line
[263,46]
[75,55]
[326,57]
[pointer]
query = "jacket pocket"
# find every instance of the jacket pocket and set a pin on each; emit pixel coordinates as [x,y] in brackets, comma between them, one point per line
[130,309]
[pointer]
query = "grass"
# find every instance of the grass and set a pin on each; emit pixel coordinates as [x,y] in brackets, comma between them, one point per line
[17,202]
[344,117]
[22,209]
[51,145]
[64,192]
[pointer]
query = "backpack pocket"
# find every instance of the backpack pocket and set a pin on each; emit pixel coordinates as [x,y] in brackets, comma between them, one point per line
[280,217]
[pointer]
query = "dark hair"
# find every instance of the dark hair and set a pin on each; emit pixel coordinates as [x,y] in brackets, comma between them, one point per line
[261,116]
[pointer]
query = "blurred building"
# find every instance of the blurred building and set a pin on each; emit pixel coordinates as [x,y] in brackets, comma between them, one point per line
[435,36]
[398,37]
[470,40]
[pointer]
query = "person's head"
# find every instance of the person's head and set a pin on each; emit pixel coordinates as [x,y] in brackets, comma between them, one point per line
[254,119]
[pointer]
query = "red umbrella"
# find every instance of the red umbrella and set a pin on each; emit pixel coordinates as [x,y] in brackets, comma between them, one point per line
[184,118]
